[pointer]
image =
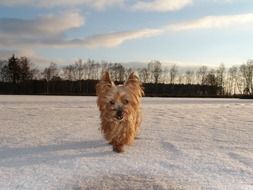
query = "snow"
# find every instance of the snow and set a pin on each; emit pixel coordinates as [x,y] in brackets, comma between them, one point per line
[53,143]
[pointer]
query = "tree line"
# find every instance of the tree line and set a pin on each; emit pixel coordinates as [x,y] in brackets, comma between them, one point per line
[19,75]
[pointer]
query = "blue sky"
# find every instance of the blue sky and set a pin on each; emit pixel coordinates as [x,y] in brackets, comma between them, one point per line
[185,32]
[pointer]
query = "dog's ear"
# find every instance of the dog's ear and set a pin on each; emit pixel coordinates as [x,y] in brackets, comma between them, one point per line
[104,84]
[106,77]
[134,84]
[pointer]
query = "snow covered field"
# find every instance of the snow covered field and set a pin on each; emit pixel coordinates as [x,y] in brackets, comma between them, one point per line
[49,142]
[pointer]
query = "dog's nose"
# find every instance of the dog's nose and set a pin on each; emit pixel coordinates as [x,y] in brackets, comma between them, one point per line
[119,114]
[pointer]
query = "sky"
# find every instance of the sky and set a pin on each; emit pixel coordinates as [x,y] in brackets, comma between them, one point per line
[183,32]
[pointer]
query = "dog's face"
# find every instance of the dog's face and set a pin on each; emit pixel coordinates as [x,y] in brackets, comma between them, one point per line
[117,103]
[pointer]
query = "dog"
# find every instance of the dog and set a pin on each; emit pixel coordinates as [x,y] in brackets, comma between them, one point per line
[120,110]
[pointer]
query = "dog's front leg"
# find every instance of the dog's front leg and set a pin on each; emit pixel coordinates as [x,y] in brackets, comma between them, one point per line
[118,148]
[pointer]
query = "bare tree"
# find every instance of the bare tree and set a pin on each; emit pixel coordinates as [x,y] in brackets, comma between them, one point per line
[144,75]
[189,74]
[88,68]
[180,79]
[201,74]
[68,72]
[78,70]
[250,68]
[232,80]
[155,68]
[128,71]
[96,71]
[220,75]
[240,82]
[164,75]
[17,69]
[50,72]
[2,64]
[117,71]
[13,69]
[27,70]
[5,74]
[173,73]
[247,75]
[210,78]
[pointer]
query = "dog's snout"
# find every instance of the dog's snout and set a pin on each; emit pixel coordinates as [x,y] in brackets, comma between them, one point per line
[119,114]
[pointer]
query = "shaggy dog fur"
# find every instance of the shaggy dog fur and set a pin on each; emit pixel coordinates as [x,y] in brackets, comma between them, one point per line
[120,111]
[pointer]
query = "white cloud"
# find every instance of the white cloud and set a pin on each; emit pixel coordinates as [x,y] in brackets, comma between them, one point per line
[222,1]
[143,5]
[115,39]
[60,23]
[211,22]
[161,5]
[109,40]
[49,31]
[44,30]
[50,24]
[98,4]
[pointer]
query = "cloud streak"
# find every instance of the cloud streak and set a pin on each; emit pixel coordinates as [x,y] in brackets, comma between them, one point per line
[213,22]
[49,31]
[115,39]
[161,5]
[142,5]
[154,5]
[97,4]
[109,40]
[46,25]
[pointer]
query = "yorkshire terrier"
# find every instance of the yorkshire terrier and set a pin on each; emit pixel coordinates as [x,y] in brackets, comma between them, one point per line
[120,111]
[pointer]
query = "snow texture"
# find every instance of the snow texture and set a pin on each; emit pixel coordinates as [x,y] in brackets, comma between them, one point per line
[54,143]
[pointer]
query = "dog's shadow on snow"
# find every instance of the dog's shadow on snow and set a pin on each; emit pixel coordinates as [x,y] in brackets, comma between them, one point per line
[17,157]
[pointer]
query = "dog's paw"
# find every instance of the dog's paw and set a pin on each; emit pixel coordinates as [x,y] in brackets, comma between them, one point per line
[118,149]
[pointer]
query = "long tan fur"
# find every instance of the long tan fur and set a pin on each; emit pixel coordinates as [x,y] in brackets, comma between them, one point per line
[120,111]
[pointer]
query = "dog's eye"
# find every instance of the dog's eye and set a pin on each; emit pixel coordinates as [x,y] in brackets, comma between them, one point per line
[125,101]
[112,102]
